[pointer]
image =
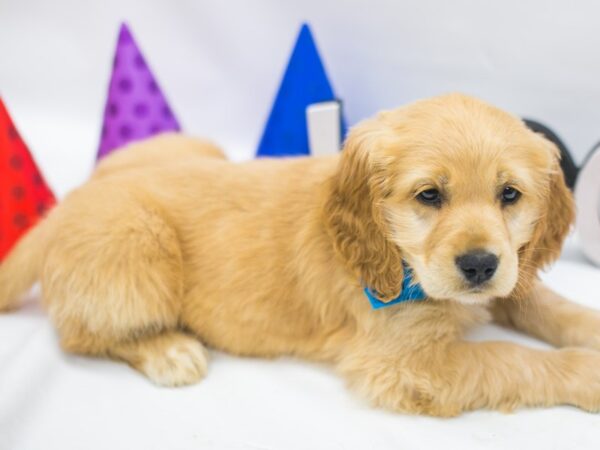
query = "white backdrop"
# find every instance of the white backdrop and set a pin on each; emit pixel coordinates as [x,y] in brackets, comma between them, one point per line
[220,63]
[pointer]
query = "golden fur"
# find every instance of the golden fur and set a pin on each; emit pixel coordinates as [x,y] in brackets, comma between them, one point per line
[169,248]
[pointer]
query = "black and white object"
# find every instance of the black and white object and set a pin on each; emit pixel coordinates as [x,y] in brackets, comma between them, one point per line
[585,182]
[587,199]
[567,164]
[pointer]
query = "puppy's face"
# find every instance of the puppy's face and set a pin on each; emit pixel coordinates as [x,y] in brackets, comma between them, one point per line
[469,184]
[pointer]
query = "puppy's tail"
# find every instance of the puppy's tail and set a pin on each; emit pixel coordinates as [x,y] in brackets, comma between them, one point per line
[21,267]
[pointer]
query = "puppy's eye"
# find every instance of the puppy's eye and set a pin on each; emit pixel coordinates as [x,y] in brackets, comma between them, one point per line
[430,197]
[509,195]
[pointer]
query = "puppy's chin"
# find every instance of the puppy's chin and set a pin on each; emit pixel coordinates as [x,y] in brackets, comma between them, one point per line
[476,298]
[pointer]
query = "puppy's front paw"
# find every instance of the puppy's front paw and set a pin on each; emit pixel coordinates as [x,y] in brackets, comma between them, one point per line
[583,380]
[179,362]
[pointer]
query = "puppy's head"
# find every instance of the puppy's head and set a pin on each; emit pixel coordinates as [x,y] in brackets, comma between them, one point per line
[461,191]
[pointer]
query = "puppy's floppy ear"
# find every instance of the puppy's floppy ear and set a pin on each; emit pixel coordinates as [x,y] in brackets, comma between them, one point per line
[354,218]
[553,226]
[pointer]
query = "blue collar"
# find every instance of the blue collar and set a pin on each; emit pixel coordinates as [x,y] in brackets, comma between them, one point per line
[410,291]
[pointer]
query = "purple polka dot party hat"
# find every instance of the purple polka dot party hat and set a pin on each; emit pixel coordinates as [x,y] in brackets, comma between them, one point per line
[135,107]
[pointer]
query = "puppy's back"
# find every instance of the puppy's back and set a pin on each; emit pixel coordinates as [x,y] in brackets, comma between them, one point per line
[157,151]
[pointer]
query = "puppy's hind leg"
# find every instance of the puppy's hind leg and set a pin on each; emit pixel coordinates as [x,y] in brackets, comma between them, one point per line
[113,282]
[169,358]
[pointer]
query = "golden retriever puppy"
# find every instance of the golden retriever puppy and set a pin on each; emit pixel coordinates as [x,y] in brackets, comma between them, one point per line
[162,254]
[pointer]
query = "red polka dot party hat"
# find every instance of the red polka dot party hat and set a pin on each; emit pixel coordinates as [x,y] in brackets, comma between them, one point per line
[24,195]
[135,108]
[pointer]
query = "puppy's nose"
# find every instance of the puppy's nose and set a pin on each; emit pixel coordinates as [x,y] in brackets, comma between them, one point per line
[477,266]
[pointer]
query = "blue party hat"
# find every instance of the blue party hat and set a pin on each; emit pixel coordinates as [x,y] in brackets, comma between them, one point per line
[304,83]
